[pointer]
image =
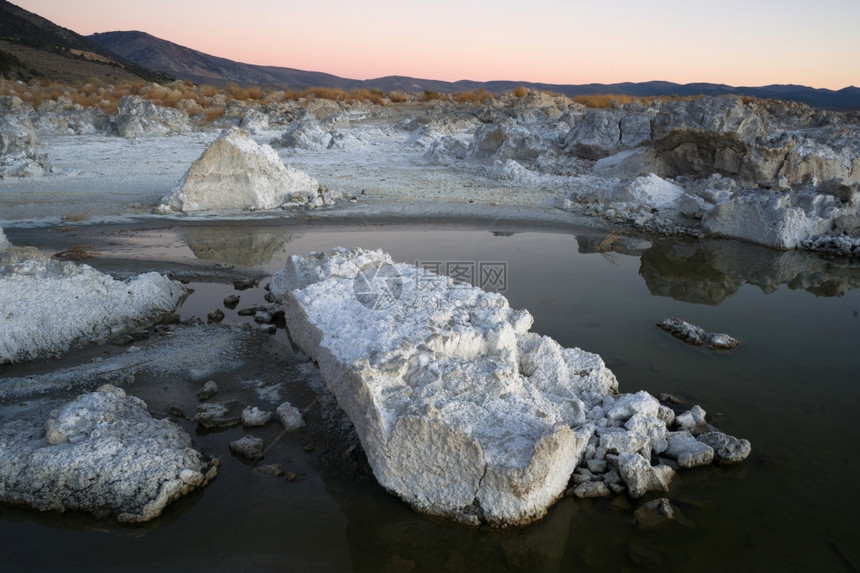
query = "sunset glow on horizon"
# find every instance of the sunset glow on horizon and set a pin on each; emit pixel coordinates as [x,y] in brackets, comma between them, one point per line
[734,42]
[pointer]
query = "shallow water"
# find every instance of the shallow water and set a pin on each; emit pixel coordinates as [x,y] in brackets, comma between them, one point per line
[791,388]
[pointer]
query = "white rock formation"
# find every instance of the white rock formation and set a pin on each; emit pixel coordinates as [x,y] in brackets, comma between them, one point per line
[19,144]
[780,220]
[306,133]
[46,305]
[101,453]
[4,242]
[138,117]
[235,173]
[461,410]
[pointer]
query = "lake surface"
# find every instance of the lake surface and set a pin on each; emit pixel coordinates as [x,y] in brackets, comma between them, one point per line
[792,388]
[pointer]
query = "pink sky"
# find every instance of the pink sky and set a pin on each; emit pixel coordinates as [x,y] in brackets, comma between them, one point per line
[736,42]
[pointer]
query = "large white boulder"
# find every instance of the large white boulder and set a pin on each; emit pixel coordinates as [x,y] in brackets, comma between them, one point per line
[461,410]
[236,173]
[101,453]
[46,305]
[780,220]
[4,242]
[138,117]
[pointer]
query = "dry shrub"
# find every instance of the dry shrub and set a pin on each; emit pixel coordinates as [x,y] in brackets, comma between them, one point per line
[254,93]
[213,113]
[477,96]
[397,96]
[333,94]
[520,91]
[605,100]
[207,90]
[430,95]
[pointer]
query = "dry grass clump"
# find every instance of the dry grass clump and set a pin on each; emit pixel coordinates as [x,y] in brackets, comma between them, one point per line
[212,113]
[398,96]
[430,95]
[610,100]
[605,100]
[478,96]
[76,253]
[520,91]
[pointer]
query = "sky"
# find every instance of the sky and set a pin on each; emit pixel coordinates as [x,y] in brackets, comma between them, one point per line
[735,42]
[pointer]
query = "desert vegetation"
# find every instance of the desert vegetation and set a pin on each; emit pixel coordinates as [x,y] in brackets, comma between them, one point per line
[209,103]
[611,100]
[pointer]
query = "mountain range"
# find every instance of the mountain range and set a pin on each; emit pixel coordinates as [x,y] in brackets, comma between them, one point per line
[32,47]
[185,63]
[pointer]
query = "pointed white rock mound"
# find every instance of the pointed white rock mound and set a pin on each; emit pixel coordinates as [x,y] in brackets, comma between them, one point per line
[236,173]
[461,410]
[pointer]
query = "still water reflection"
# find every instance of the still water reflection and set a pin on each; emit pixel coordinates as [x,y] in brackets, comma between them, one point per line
[791,388]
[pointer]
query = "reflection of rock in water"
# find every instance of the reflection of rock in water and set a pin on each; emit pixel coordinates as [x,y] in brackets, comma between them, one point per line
[612,243]
[240,245]
[385,535]
[682,272]
[710,271]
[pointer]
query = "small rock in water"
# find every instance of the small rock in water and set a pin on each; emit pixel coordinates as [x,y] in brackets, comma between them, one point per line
[654,513]
[249,447]
[269,297]
[727,449]
[274,470]
[670,399]
[253,416]
[215,415]
[208,390]
[262,317]
[693,421]
[247,312]
[591,489]
[268,328]
[216,315]
[290,417]
[689,452]
[175,412]
[292,476]
[693,334]
[231,301]
[243,284]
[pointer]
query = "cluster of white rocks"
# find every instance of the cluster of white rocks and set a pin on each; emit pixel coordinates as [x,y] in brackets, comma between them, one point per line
[47,305]
[236,173]
[101,453]
[779,174]
[19,144]
[465,413]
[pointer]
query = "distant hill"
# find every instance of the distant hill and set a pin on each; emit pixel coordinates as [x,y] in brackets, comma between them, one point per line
[187,64]
[184,63]
[33,47]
